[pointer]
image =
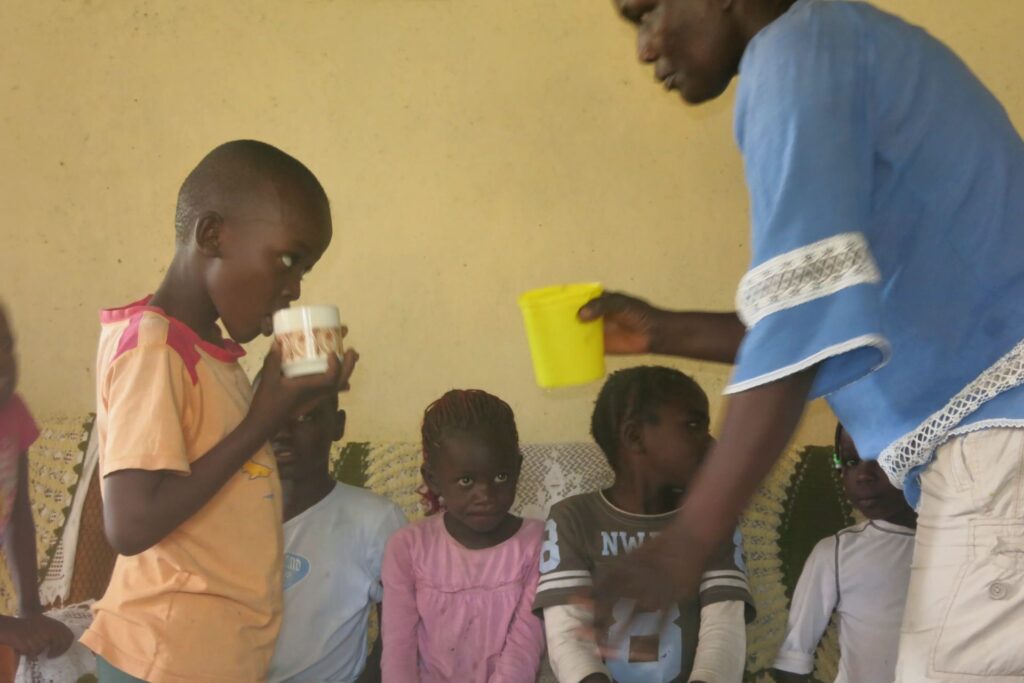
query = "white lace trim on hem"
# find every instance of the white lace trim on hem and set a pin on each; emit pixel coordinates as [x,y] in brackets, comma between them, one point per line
[994,423]
[877,341]
[916,447]
[805,274]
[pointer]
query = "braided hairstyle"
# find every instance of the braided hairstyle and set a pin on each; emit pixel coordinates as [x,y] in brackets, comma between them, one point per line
[635,393]
[469,411]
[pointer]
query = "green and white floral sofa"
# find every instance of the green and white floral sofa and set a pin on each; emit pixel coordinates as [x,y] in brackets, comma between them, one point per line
[799,504]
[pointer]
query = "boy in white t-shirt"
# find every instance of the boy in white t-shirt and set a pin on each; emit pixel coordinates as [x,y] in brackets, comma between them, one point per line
[862,573]
[334,537]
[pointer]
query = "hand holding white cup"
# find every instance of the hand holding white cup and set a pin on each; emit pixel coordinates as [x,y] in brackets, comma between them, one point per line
[308,334]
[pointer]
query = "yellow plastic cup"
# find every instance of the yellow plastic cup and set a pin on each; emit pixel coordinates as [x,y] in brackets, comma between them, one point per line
[565,351]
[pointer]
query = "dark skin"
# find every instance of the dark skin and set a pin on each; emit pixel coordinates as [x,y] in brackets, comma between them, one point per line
[696,47]
[303,449]
[8,360]
[32,634]
[633,326]
[477,480]
[245,259]
[657,459]
[868,489]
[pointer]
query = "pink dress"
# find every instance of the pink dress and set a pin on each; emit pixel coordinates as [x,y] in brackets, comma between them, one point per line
[455,614]
[18,431]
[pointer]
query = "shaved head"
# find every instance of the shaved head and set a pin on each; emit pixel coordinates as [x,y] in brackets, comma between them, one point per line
[229,176]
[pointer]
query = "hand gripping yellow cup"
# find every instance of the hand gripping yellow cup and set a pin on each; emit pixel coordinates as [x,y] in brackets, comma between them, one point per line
[565,351]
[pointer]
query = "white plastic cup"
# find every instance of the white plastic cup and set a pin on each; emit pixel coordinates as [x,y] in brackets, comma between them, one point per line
[308,334]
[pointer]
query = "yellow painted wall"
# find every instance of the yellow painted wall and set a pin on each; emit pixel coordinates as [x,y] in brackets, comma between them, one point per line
[472,149]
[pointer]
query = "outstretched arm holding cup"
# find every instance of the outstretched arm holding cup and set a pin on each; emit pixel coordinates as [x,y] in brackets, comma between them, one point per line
[632,325]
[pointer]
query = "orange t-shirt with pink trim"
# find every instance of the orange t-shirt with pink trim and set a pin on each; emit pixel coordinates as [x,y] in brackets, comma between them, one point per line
[203,604]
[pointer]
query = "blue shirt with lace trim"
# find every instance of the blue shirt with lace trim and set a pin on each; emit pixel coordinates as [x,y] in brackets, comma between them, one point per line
[887,201]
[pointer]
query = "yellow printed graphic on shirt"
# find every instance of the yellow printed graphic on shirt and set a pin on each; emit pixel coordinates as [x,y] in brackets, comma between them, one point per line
[256,470]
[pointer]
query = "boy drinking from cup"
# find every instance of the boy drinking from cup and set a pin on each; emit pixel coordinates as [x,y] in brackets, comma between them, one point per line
[191,498]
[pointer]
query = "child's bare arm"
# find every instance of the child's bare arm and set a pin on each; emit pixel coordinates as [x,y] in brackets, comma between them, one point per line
[34,634]
[20,545]
[141,507]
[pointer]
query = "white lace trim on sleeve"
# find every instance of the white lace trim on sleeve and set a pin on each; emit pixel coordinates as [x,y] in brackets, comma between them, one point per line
[805,274]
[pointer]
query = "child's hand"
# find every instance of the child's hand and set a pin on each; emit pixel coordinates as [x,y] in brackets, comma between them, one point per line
[629,323]
[35,635]
[15,634]
[278,397]
[58,636]
[349,358]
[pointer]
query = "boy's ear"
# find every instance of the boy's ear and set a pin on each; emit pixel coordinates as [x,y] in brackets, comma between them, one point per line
[207,233]
[339,425]
[428,476]
[631,435]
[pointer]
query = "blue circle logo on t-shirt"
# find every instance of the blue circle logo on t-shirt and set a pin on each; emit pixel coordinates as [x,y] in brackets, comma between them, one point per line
[295,569]
[737,557]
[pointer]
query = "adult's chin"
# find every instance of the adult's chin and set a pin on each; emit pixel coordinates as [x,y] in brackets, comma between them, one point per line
[695,97]
[696,92]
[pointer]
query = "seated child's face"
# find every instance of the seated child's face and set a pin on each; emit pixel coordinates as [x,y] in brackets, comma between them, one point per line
[476,478]
[303,446]
[676,442]
[865,484]
[8,364]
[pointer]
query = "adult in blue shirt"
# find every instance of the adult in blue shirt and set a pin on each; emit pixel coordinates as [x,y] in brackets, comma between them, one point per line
[887,205]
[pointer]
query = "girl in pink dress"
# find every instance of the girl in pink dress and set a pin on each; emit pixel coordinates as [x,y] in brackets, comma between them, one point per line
[30,634]
[459,585]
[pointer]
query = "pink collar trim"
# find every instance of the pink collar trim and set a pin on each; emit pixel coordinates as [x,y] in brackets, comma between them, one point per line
[227,351]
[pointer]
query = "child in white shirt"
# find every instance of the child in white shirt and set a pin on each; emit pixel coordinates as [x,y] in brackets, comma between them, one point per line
[334,537]
[862,573]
